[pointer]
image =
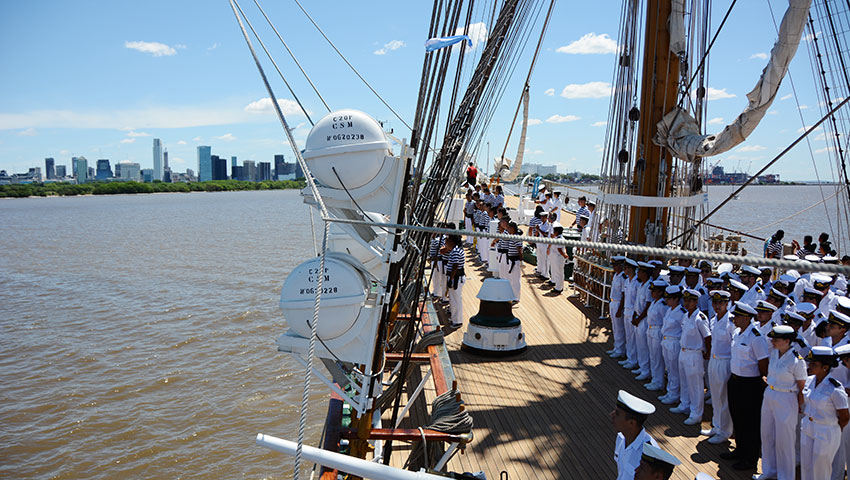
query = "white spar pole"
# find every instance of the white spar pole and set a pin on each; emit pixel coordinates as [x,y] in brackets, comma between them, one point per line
[345,463]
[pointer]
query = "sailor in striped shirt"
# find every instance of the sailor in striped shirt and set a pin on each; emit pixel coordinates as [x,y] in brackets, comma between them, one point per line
[514,258]
[482,223]
[502,248]
[438,282]
[456,277]
[468,214]
[499,198]
[582,209]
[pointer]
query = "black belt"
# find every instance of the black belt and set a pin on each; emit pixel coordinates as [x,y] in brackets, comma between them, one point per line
[749,379]
[502,250]
[456,279]
[513,261]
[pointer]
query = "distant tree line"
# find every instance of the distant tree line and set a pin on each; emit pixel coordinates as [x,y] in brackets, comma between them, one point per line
[115,188]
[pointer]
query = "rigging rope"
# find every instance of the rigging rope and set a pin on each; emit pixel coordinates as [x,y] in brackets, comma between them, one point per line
[352,66]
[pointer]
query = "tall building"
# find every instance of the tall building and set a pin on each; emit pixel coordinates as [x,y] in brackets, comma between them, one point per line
[204,163]
[236,173]
[147,175]
[104,170]
[219,168]
[129,171]
[60,172]
[249,170]
[81,169]
[279,166]
[264,171]
[298,172]
[233,162]
[49,169]
[157,159]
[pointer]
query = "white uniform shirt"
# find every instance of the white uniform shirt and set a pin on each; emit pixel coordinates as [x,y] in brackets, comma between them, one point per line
[618,283]
[827,303]
[655,315]
[629,295]
[753,295]
[672,326]
[784,372]
[766,328]
[721,336]
[810,335]
[628,457]
[694,331]
[748,347]
[802,346]
[824,400]
[642,296]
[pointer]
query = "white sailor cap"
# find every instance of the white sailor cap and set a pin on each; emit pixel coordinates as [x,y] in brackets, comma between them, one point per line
[790,258]
[844,302]
[766,269]
[737,285]
[618,258]
[812,258]
[627,401]
[821,279]
[782,331]
[692,271]
[789,316]
[812,291]
[805,309]
[544,214]
[645,265]
[793,273]
[822,352]
[750,270]
[703,476]
[724,267]
[664,275]
[776,293]
[660,283]
[657,457]
[763,306]
[714,281]
[743,309]
[839,319]
[656,263]
[690,293]
[830,259]
[584,216]
[789,279]
[720,295]
[542,187]
[631,262]
[704,262]
[676,269]
[843,350]
[557,224]
[557,192]
[673,291]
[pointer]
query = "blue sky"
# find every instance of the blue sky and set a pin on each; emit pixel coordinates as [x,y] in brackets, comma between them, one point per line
[102,79]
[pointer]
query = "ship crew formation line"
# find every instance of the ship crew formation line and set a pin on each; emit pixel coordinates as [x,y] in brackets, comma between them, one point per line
[722,353]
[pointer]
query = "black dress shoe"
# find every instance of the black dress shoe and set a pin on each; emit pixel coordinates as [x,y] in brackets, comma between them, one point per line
[744,466]
[733,455]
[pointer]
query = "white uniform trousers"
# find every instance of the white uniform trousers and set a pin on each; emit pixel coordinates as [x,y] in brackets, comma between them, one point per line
[618,329]
[642,347]
[503,265]
[818,444]
[438,281]
[483,248]
[631,350]
[778,425]
[467,225]
[542,259]
[839,463]
[515,275]
[456,302]
[691,382]
[670,348]
[558,272]
[493,260]
[718,375]
[656,357]
[550,262]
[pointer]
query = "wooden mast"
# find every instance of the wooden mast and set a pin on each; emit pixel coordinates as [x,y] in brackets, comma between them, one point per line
[659,89]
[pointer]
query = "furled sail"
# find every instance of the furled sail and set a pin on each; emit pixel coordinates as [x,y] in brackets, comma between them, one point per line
[680,132]
[504,170]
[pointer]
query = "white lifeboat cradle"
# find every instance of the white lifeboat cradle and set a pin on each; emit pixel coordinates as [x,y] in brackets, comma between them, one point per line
[357,178]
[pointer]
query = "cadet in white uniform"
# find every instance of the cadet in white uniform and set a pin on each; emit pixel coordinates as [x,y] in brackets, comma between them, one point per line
[718,368]
[837,326]
[628,418]
[671,332]
[783,398]
[641,306]
[618,282]
[514,259]
[749,277]
[629,291]
[695,342]
[455,277]
[655,464]
[824,416]
[558,259]
[542,253]
[655,320]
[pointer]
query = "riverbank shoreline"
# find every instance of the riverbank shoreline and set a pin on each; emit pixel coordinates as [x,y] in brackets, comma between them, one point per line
[132,188]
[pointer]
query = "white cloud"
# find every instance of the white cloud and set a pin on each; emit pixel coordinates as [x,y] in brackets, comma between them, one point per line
[597,148]
[477,33]
[715,121]
[128,140]
[591,43]
[64,152]
[550,92]
[821,136]
[196,139]
[534,121]
[718,94]
[30,132]
[177,160]
[533,152]
[786,97]
[227,137]
[751,148]
[773,112]
[806,127]
[181,142]
[213,46]
[562,118]
[803,107]
[390,46]
[809,37]
[154,48]
[760,56]
[180,46]
[138,134]
[587,90]
[264,106]
[599,124]
[825,150]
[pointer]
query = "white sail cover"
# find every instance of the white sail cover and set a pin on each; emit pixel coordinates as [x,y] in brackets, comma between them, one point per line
[504,170]
[676,27]
[679,131]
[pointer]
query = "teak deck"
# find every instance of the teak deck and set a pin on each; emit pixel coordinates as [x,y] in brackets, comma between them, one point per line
[544,414]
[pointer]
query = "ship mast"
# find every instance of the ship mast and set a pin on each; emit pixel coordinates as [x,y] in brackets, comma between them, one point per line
[659,88]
